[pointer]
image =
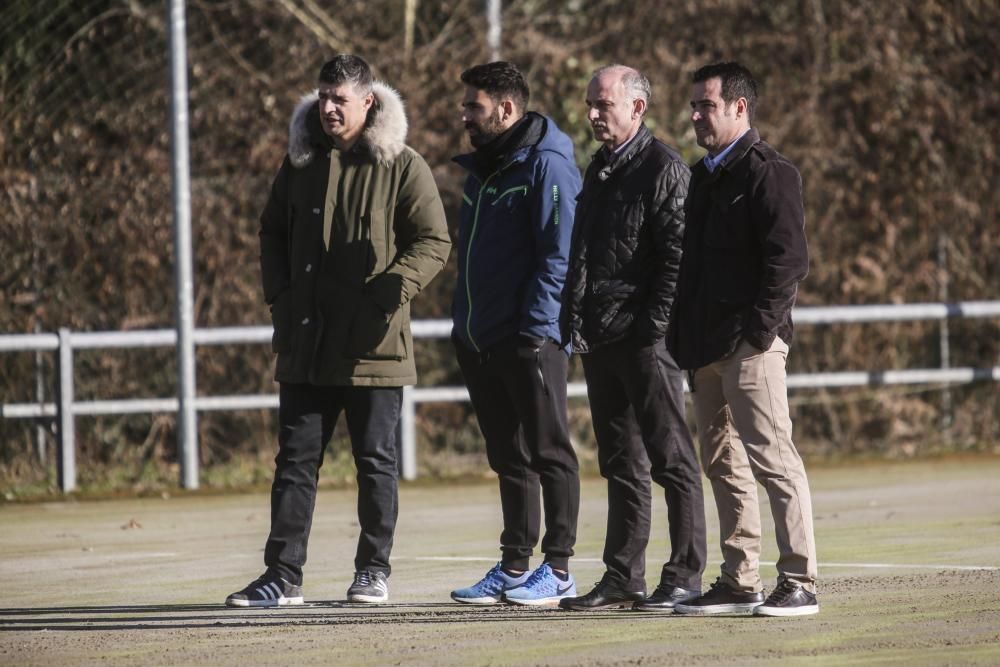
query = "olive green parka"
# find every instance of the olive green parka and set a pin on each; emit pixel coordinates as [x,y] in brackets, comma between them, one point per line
[347,239]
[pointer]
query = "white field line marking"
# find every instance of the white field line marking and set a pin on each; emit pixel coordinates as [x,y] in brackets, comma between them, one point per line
[880,566]
[155,554]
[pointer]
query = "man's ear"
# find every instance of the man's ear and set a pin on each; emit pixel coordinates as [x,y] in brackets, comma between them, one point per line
[741,106]
[369,101]
[508,108]
[638,107]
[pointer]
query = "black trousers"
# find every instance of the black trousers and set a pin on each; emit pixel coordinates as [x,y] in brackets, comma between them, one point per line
[307,415]
[519,395]
[637,404]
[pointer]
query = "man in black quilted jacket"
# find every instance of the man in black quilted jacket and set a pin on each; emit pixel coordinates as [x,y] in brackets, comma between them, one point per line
[624,258]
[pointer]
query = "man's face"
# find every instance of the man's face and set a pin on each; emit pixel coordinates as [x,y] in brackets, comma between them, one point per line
[614,116]
[481,117]
[343,111]
[716,125]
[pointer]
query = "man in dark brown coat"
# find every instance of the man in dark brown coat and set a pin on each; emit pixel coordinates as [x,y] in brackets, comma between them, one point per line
[744,256]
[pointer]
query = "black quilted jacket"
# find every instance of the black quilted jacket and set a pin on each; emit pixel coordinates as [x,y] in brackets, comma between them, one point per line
[626,248]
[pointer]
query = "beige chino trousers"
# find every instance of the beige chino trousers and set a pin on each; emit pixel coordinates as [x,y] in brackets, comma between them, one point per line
[745,436]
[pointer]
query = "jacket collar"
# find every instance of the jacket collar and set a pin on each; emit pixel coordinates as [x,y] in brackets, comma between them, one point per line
[608,162]
[383,139]
[530,133]
[742,147]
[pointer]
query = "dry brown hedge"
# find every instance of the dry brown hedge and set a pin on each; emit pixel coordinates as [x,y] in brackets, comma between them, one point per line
[889,109]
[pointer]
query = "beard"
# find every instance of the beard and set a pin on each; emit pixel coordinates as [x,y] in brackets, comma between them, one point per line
[480,135]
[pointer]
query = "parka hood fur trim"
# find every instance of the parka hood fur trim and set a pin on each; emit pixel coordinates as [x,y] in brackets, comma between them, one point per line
[384,136]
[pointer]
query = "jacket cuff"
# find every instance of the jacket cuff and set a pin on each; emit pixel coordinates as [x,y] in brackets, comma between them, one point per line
[530,340]
[646,333]
[761,340]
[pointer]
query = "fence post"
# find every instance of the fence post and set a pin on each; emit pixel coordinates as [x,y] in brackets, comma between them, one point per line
[42,423]
[944,346]
[187,414]
[67,436]
[407,423]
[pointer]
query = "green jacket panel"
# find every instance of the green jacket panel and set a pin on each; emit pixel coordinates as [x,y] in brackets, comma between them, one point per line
[347,240]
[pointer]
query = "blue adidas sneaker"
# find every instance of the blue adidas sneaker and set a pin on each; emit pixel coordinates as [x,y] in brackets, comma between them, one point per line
[489,589]
[542,588]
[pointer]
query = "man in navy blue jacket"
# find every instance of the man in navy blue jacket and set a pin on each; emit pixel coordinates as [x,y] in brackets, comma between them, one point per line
[514,236]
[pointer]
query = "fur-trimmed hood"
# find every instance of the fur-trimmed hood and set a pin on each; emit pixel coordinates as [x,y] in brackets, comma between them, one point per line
[384,137]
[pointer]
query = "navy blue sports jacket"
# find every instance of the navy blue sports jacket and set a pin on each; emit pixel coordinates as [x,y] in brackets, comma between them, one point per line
[513,242]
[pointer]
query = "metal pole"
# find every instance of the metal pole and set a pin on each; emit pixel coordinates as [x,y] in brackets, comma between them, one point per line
[187,417]
[67,439]
[944,343]
[40,397]
[409,23]
[408,429]
[493,32]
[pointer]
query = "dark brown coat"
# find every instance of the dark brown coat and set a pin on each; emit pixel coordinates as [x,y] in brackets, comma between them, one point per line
[744,255]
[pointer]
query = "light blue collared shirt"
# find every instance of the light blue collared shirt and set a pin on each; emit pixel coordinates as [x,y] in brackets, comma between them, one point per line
[712,162]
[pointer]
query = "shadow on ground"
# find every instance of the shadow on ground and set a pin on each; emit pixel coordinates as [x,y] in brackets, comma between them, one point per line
[328,612]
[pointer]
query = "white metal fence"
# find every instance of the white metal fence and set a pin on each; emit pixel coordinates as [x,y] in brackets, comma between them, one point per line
[65,409]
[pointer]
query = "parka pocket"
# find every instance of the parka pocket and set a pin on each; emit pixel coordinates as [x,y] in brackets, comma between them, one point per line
[374,336]
[281,319]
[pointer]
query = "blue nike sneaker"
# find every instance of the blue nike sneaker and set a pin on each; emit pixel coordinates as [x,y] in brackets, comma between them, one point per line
[489,589]
[542,588]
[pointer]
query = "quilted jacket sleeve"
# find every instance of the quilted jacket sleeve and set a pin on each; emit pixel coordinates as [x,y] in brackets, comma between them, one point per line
[666,225]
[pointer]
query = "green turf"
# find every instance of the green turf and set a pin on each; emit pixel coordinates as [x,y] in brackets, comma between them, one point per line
[141,581]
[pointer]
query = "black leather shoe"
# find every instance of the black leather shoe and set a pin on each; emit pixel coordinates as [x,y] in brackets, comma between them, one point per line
[665,597]
[789,599]
[607,594]
[721,599]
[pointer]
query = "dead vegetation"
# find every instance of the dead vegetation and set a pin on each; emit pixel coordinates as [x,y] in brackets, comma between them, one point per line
[890,110]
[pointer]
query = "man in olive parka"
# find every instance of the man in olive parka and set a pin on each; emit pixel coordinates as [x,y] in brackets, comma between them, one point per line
[353,230]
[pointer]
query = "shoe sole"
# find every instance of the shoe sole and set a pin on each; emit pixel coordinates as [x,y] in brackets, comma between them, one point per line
[715,609]
[790,611]
[280,602]
[541,602]
[665,606]
[646,607]
[480,601]
[627,604]
[368,599]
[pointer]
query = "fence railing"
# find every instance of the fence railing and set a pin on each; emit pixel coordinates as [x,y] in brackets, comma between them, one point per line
[65,408]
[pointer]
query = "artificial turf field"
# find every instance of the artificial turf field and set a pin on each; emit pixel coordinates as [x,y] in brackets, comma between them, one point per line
[909,564]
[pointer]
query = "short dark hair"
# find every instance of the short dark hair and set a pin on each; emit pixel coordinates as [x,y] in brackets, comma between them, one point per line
[346,68]
[737,82]
[498,80]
